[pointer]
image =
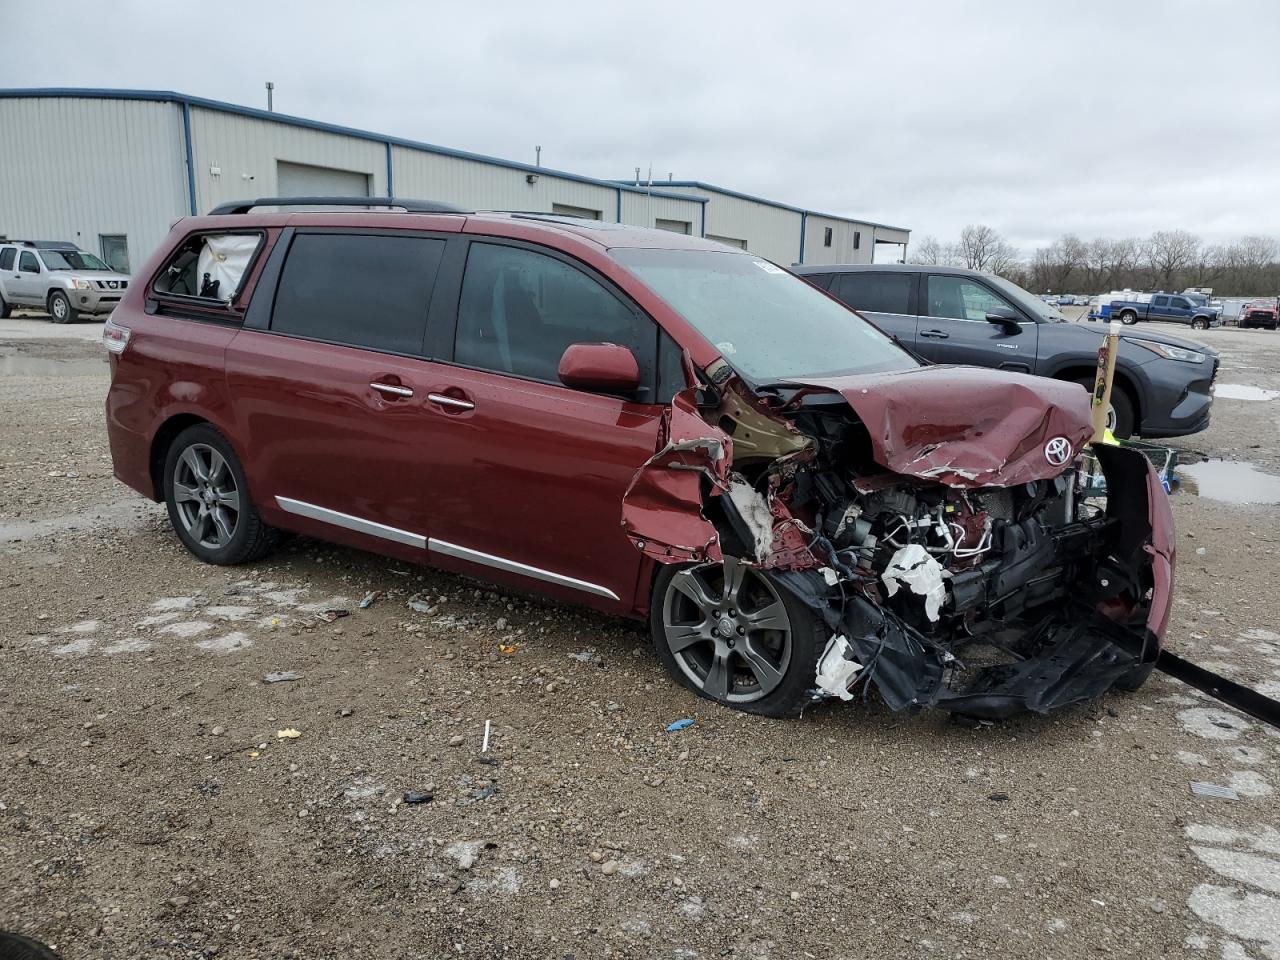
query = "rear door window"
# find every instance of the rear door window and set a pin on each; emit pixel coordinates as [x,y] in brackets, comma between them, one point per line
[368,291]
[6,258]
[520,309]
[875,292]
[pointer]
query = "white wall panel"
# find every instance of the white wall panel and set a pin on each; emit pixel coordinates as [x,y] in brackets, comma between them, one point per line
[475,185]
[242,147]
[74,168]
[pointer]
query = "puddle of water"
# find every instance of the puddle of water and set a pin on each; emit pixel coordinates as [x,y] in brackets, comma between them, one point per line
[1231,481]
[1243,391]
[20,365]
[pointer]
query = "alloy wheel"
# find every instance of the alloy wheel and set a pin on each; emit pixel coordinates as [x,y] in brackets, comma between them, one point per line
[206,496]
[728,630]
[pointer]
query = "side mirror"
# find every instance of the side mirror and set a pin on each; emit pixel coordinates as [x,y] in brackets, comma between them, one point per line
[606,367]
[1005,318]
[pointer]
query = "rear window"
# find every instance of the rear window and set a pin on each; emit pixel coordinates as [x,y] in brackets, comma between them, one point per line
[875,292]
[360,290]
[209,266]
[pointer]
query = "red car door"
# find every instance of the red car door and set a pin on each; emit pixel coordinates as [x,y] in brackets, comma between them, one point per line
[328,389]
[527,474]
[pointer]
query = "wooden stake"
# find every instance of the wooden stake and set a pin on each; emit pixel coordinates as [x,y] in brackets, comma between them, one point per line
[1102,384]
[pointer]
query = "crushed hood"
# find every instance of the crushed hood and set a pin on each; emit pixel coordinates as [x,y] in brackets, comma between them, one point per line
[966,426]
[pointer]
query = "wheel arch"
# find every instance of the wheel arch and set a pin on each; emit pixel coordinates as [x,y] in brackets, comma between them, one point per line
[160,444]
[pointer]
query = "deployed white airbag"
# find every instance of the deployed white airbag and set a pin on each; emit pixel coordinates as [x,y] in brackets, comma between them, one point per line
[223,261]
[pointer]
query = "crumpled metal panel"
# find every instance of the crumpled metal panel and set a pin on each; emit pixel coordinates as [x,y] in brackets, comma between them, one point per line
[662,508]
[966,426]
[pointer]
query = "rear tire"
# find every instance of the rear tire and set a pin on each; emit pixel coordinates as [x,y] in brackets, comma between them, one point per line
[60,308]
[208,499]
[704,633]
[1128,318]
[5,309]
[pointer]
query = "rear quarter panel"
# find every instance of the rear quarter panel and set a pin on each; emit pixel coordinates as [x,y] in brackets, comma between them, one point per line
[173,365]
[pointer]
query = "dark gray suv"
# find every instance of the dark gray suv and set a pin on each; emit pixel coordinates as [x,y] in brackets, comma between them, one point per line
[1164,384]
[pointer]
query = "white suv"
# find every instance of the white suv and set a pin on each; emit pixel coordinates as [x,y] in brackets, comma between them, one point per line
[59,277]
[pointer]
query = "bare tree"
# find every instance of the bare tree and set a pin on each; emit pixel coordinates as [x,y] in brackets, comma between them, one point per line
[979,244]
[1168,252]
[1211,262]
[932,252]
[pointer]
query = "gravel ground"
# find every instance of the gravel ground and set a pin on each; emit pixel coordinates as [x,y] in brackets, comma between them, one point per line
[150,808]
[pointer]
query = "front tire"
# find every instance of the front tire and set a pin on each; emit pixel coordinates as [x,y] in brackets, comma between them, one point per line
[1199,324]
[729,632]
[1121,418]
[60,308]
[208,499]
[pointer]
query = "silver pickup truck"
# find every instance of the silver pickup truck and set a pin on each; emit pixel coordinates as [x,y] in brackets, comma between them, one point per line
[57,277]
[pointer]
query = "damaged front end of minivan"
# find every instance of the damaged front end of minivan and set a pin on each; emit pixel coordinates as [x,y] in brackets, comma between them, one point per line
[938,523]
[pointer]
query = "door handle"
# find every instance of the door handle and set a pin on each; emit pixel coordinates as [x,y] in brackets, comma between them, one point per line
[935,335]
[453,403]
[391,389]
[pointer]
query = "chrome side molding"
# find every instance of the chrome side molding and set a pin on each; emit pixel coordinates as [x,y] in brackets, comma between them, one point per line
[511,566]
[444,548]
[348,522]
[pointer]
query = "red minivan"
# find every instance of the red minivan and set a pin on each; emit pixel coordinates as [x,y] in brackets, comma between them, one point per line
[655,425]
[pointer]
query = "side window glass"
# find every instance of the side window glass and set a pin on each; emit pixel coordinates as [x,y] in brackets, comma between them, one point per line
[1182,302]
[27,262]
[961,299]
[1159,301]
[6,258]
[363,291]
[519,310]
[211,266]
[875,292]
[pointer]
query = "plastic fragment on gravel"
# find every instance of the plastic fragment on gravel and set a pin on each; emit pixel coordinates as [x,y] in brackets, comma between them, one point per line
[282,676]
[370,599]
[288,734]
[678,725]
[1213,790]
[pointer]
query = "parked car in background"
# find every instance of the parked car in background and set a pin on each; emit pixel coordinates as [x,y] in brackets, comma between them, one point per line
[1262,313]
[953,315]
[652,424]
[1066,300]
[1173,307]
[1081,300]
[57,277]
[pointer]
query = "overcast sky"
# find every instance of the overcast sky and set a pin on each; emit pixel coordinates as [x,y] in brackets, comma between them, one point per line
[1100,118]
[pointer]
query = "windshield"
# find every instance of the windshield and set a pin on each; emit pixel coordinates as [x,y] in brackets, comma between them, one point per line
[71,260]
[1032,304]
[768,324]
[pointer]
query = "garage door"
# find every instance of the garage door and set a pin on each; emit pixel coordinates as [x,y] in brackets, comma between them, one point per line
[304,180]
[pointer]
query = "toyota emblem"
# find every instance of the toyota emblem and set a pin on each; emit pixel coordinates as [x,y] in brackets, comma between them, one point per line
[1058,451]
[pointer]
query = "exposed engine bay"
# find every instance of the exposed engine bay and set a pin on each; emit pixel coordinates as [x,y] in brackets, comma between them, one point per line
[982,573]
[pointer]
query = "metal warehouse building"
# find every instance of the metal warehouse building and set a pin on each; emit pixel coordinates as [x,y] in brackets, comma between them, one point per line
[112,169]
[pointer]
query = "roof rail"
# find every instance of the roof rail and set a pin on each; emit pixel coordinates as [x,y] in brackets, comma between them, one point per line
[409,206]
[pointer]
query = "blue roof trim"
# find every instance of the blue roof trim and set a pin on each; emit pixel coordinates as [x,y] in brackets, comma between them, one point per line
[170,96]
[700,185]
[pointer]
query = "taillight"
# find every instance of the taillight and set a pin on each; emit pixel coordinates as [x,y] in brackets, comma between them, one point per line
[115,336]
